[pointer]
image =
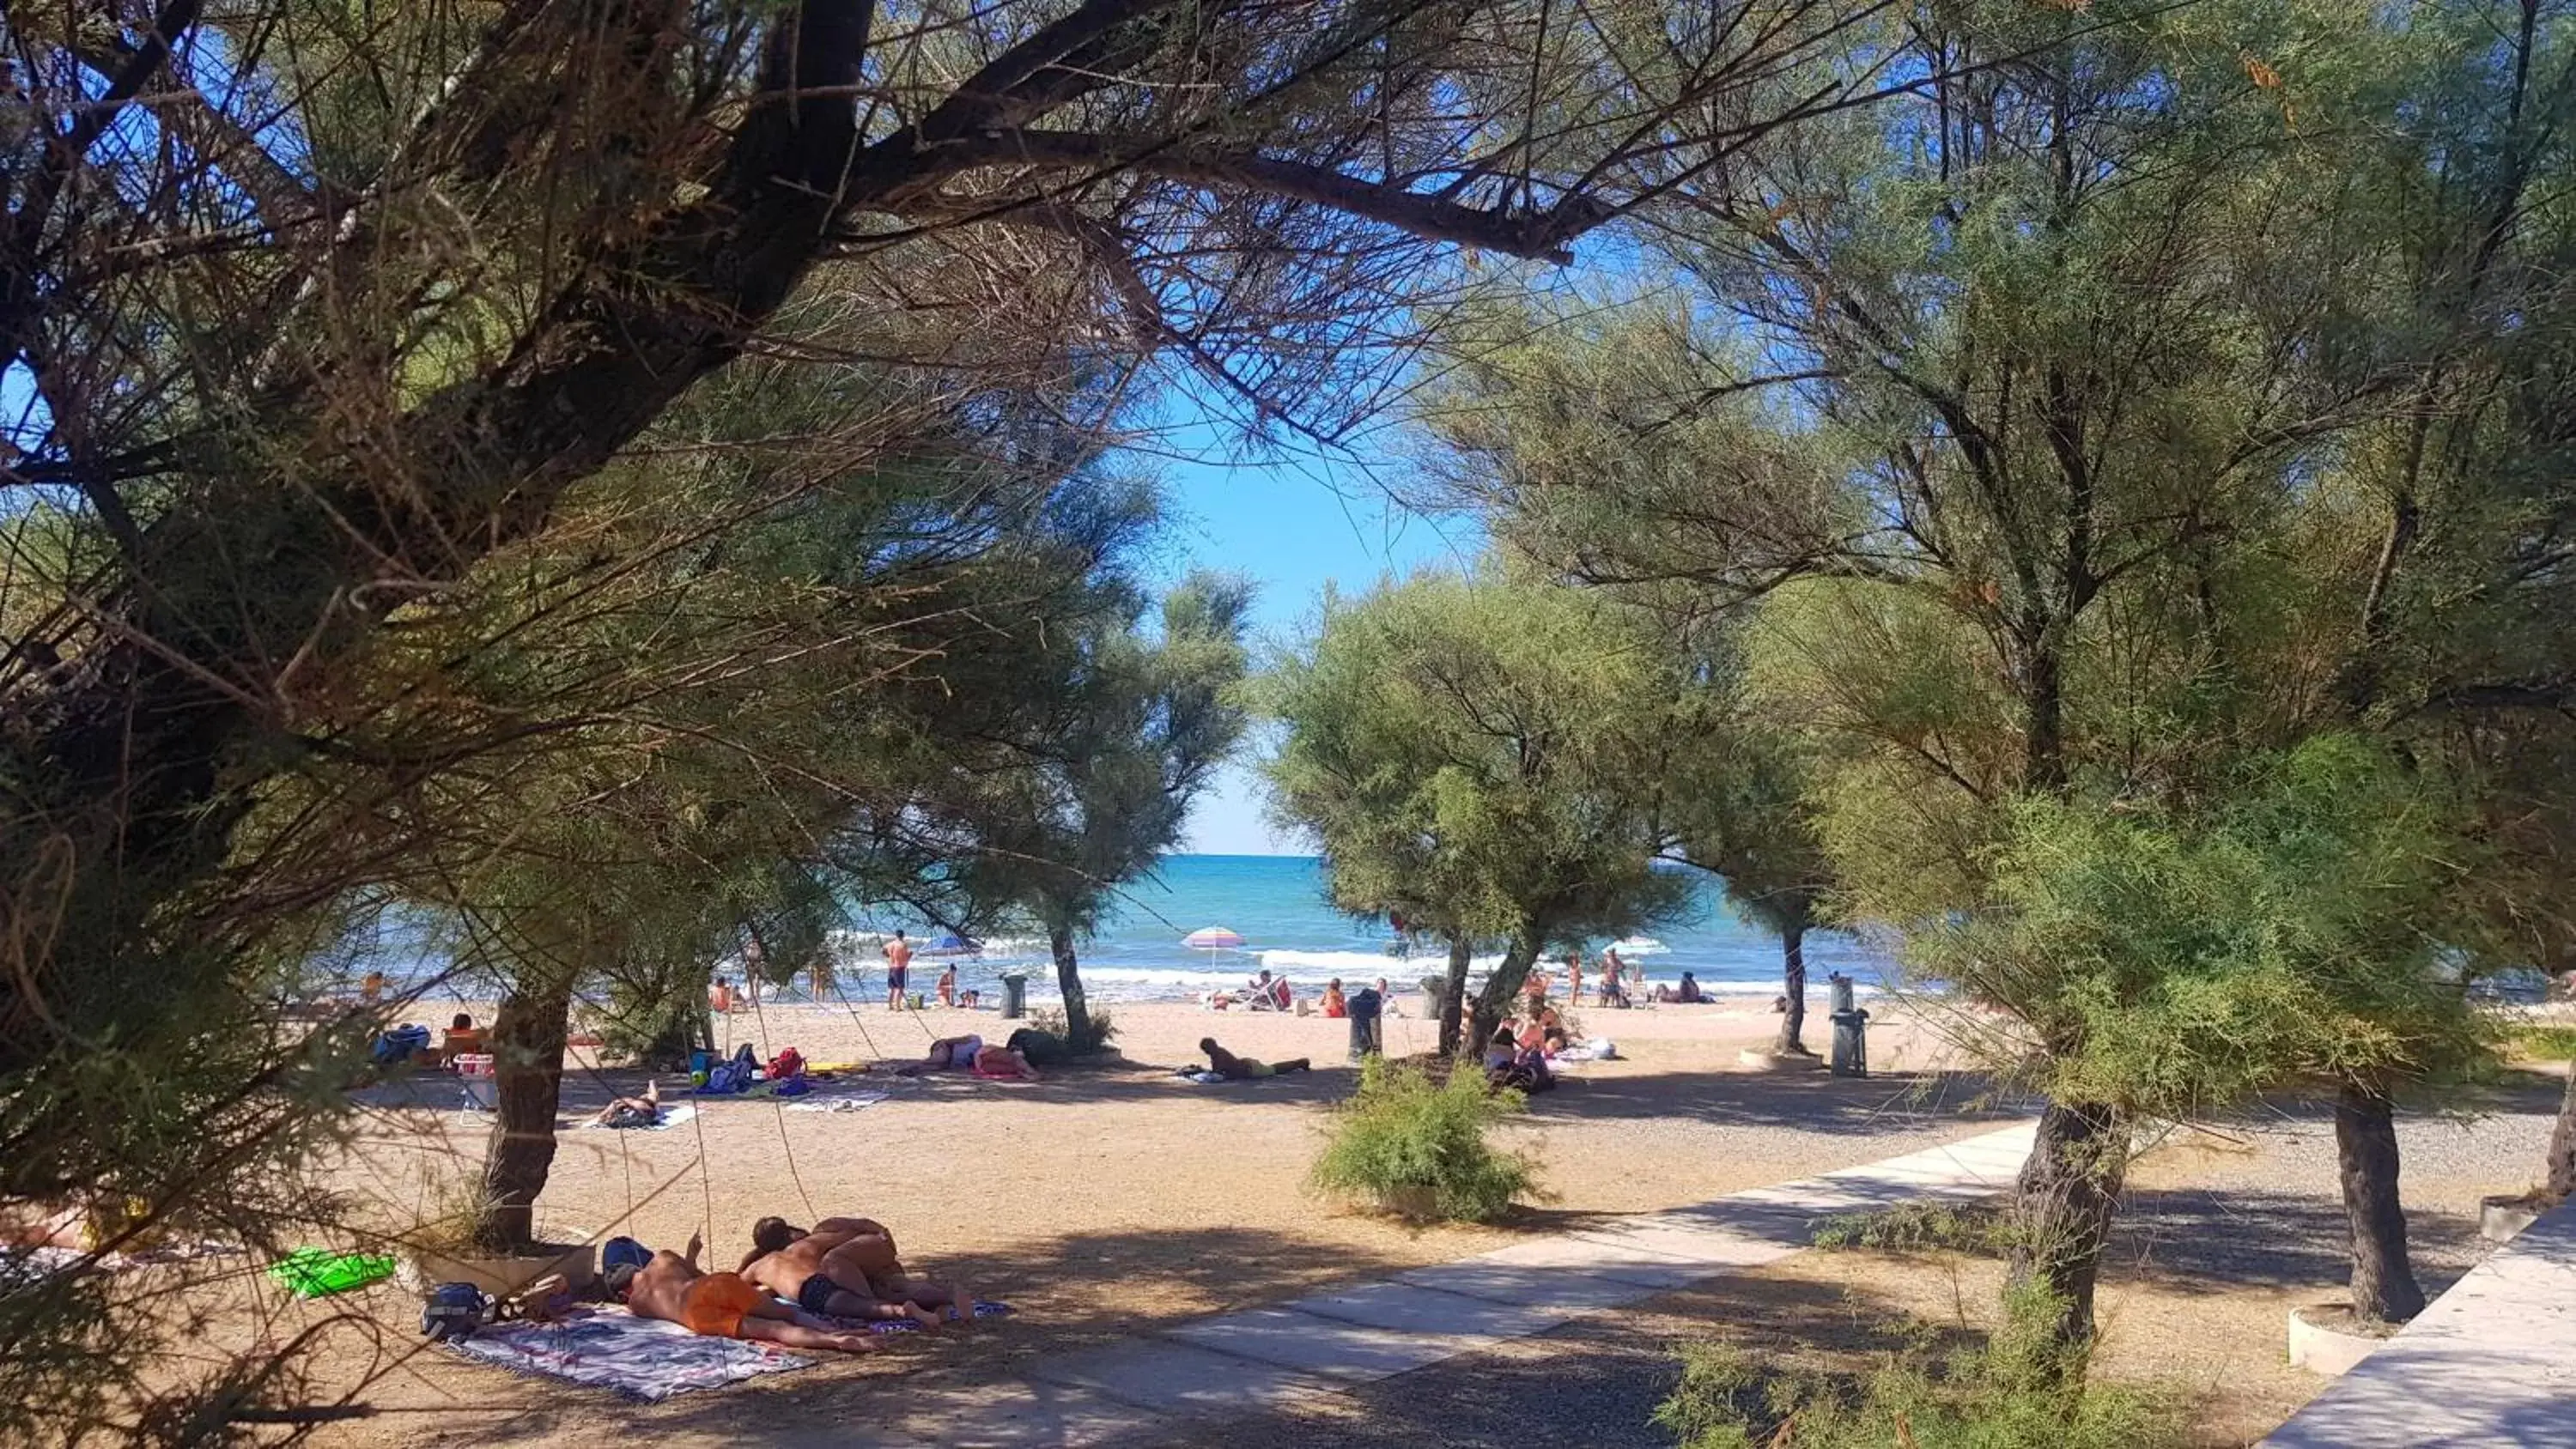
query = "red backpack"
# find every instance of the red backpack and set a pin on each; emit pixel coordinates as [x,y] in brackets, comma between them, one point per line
[788,1063]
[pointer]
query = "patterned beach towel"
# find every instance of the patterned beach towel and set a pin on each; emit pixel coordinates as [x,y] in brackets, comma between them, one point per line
[820,1103]
[641,1358]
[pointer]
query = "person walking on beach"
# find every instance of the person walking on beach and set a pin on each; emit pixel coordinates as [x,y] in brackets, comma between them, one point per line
[898,954]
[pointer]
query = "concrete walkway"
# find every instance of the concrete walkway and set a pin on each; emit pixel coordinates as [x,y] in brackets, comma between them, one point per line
[2490,1363]
[1264,1357]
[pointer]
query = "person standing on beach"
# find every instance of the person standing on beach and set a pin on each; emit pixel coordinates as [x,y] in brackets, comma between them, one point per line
[898,954]
[948,984]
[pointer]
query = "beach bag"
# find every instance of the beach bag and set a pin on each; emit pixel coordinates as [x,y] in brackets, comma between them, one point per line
[396,1046]
[454,1311]
[1039,1048]
[314,1273]
[623,1252]
[788,1063]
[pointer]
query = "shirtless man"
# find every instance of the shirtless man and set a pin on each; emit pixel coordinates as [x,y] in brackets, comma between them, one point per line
[858,1256]
[722,1305]
[1243,1069]
[828,1273]
[898,954]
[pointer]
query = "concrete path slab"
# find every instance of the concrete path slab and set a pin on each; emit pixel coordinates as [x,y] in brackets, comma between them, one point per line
[1423,1310]
[1166,1377]
[2489,1364]
[1719,1247]
[1327,1347]
[1519,1283]
[1579,1252]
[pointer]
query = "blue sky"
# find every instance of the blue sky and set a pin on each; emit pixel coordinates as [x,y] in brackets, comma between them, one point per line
[1292,525]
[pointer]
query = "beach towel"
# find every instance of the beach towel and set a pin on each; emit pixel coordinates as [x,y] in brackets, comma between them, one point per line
[315,1273]
[640,1358]
[672,1116]
[1203,1078]
[838,1104]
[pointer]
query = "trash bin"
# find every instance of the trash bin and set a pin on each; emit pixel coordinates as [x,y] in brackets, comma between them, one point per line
[1015,995]
[1851,1030]
[1363,1006]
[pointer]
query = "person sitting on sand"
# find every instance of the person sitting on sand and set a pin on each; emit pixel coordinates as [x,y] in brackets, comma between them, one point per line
[644,1111]
[1502,1050]
[672,1287]
[948,984]
[1687,994]
[1386,999]
[1535,991]
[371,989]
[720,996]
[1334,1005]
[1243,1069]
[859,1257]
[1524,1068]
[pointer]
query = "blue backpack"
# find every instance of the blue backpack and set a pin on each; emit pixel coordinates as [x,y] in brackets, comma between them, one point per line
[454,1311]
[622,1252]
[395,1047]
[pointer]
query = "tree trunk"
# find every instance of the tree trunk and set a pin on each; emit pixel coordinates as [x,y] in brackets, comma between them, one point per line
[2560,1180]
[2068,1190]
[1793,980]
[1501,987]
[527,1061]
[1453,994]
[2383,1278]
[1068,982]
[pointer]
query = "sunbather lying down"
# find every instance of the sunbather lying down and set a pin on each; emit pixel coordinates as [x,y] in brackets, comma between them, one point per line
[642,1111]
[970,1054]
[1236,1069]
[848,1268]
[722,1305]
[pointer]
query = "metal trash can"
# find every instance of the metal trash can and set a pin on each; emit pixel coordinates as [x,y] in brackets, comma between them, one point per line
[1851,1030]
[1364,1006]
[1015,995]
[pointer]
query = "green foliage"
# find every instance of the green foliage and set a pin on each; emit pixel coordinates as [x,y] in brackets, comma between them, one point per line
[2021,1390]
[1102,1030]
[1485,757]
[1402,1130]
[2543,1043]
[2180,963]
[1919,1227]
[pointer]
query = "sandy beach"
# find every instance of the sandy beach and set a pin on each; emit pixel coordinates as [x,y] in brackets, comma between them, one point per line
[1102,1201]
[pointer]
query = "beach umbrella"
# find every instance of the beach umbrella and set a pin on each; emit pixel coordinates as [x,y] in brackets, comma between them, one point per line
[951,944]
[1213,938]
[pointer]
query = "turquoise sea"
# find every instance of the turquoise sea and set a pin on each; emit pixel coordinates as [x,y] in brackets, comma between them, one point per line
[1276,903]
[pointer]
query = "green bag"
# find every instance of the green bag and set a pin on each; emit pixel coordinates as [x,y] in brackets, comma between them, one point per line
[313,1273]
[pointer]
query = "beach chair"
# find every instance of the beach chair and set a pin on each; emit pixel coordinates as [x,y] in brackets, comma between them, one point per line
[475,1073]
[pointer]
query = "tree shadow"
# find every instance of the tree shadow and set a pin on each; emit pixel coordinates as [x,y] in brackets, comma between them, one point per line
[2236,1236]
[1806,1101]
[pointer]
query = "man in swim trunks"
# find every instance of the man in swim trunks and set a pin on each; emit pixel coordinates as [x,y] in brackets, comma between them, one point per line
[1243,1069]
[898,954]
[722,1305]
[854,1265]
[825,1274]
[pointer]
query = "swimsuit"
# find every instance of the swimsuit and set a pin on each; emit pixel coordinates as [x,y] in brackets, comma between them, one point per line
[716,1303]
[962,1053]
[814,1295]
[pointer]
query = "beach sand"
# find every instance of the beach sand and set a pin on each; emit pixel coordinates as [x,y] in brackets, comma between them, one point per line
[1098,1202]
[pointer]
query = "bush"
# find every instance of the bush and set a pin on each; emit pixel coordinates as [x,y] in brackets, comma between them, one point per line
[1402,1130]
[2022,1390]
[2544,1043]
[1919,1227]
[1052,1022]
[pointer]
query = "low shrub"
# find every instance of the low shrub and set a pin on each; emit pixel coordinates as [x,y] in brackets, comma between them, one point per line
[2544,1043]
[1919,1227]
[1052,1022]
[2020,1391]
[1404,1131]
